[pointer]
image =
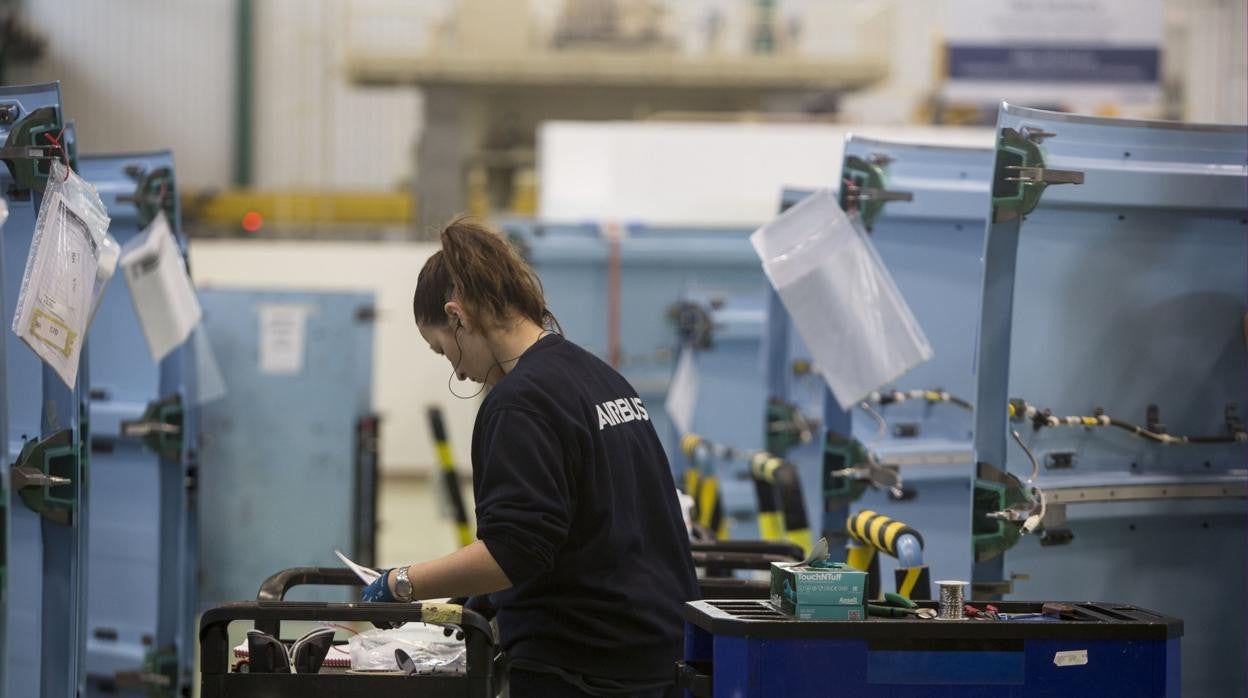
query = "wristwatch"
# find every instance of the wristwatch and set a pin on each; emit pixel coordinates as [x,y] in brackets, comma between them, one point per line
[402,585]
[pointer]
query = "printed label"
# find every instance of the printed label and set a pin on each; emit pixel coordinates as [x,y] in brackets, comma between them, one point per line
[1071,658]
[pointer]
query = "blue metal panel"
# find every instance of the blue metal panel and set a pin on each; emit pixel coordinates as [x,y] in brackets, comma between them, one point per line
[730,397]
[138,605]
[277,462]
[782,347]
[658,266]
[931,246]
[1124,292]
[43,604]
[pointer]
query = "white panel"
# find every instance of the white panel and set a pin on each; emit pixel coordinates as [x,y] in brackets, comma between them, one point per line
[140,75]
[1215,75]
[697,174]
[313,128]
[407,376]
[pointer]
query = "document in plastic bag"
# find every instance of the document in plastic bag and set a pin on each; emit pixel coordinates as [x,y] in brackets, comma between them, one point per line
[72,258]
[164,297]
[841,298]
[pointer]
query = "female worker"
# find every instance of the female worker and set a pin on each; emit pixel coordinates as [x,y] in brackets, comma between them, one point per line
[581,543]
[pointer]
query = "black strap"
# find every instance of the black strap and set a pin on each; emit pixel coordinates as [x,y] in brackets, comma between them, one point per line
[593,685]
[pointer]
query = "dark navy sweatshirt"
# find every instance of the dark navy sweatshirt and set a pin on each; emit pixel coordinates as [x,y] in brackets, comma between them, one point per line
[576,502]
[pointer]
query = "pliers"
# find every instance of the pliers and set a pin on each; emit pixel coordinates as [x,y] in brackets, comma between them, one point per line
[898,606]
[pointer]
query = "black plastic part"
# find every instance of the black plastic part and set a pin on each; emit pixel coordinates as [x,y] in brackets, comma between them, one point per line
[277,585]
[731,561]
[1059,460]
[695,677]
[762,547]
[218,682]
[1092,621]
[267,615]
[908,430]
[922,588]
[733,588]
[367,440]
[1056,536]
[788,486]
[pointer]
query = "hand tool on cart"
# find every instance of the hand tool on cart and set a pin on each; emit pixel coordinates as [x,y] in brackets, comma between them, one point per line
[898,606]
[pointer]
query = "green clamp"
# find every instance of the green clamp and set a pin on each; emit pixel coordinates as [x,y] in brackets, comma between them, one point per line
[44,476]
[1020,175]
[28,152]
[154,191]
[840,454]
[1000,505]
[160,427]
[786,427]
[864,187]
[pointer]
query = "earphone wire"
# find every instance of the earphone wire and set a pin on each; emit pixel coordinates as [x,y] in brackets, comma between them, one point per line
[497,364]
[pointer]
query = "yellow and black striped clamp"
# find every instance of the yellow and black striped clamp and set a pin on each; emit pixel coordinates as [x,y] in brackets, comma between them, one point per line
[689,444]
[763,466]
[878,531]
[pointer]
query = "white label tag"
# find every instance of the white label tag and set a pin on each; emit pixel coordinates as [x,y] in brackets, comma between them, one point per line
[1071,658]
[282,339]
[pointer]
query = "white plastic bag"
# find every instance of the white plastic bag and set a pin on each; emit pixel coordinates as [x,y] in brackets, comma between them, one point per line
[164,297]
[428,646]
[843,301]
[72,258]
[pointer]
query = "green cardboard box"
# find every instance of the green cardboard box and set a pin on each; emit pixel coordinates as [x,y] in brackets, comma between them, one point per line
[817,612]
[837,584]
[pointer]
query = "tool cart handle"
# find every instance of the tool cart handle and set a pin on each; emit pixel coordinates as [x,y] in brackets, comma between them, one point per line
[791,551]
[275,587]
[733,588]
[737,561]
[280,583]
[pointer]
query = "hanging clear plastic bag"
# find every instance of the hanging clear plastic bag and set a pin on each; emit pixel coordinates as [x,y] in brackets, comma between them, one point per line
[72,258]
[841,298]
[428,646]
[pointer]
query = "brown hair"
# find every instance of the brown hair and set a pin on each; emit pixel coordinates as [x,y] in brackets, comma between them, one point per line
[478,267]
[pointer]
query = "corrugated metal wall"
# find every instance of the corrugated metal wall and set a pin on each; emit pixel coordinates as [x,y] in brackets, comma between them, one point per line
[143,75]
[150,74]
[315,129]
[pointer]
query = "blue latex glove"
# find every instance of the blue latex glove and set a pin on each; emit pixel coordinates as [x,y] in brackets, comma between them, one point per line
[379,590]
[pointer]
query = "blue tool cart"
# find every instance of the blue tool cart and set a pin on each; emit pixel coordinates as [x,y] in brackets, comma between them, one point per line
[287,474]
[43,428]
[141,590]
[745,649]
[1111,374]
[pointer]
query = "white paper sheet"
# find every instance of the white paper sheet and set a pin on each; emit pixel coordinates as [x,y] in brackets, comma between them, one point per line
[366,574]
[164,297]
[682,393]
[282,339]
